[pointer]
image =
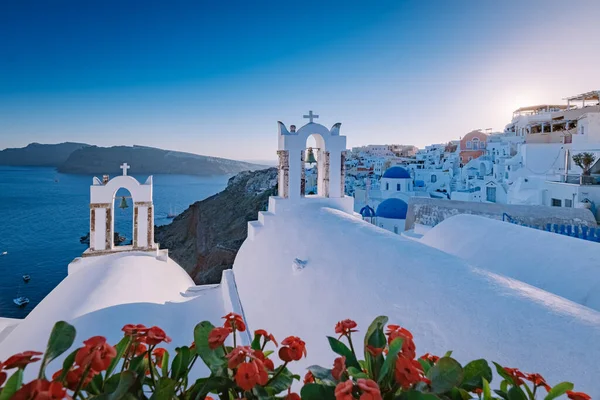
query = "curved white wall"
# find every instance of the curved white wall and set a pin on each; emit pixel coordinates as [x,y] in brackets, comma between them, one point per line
[560,264]
[356,270]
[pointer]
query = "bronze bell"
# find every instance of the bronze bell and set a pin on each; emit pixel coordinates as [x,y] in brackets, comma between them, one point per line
[123,204]
[310,158]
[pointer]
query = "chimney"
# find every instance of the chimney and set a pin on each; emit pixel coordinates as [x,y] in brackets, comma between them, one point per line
[105,179]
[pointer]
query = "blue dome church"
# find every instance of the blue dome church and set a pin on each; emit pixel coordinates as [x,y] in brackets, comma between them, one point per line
[396,182]
[391,215]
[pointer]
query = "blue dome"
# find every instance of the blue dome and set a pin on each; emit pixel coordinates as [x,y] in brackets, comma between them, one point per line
[396,173]
[392,208]
[367,212]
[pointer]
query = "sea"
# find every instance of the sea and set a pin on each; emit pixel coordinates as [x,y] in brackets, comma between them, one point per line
[44,214]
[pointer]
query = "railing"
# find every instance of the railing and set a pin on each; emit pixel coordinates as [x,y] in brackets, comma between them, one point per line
[576,231]
[576,179]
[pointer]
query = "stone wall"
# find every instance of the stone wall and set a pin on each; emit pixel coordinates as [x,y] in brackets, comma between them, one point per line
[431,212]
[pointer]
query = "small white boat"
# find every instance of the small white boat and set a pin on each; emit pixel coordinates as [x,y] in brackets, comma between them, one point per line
[26,278]
[21,301]
[4,253]
[171,214]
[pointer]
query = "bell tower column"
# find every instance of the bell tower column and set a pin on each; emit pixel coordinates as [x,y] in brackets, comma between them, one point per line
[325,173]
[343,175]
[283,176]
[302,175]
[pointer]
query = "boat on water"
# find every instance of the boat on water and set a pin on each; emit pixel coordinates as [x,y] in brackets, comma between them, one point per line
[26,278]
[21,301]
[171,214]
[4,253]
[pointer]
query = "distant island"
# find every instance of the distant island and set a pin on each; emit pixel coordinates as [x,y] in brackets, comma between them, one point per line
[81,158]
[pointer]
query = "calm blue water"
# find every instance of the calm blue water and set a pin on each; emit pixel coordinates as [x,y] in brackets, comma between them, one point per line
[41,221]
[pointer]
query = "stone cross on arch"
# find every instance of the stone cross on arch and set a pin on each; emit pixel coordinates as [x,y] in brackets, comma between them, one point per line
[125,167]
[310,116]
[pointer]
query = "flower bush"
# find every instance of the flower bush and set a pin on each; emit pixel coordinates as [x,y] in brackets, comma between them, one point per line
[138,368]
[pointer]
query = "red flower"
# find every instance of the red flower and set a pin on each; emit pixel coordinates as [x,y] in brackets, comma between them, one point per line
[429,357]
[538,380]
[343,391]
[577,395]
[238,356]
[74,376]
[41,389]
[408,372]
[235,321]
[136,349]
[293,349]
[217,337]
[268,363]
[97,353]
[370,389]
[339,367]
[345,327]
[250,373]
[135,330]
[159,354]
[291,396]
[268,337]
[374,351]
[2,376]
[309,378]
[516,375]
[155,336]
[21,360]
[408,346]
[478,391]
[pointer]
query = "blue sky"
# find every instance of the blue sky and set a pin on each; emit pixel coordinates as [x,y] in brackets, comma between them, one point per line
[214,77]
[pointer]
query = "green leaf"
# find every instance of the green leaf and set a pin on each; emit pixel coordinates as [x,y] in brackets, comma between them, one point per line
[94,385]
[475,372]
[267,353]
[13,384]
[503,373]
[459,394]
[321,373]
[314,391]
[417,395]
[283,381]
[426,365]
[61,338]
[165,389]
[487,394]
[256,342]
[214,359]
[515,393]
[212,384]
[139,365]
[448,353]
[124,382]
[375,337]
[343,350]
[121,347]
[165,364]
[67,364]
[559,390]
[180,363]
[502,394]
[357,374]
[445,374]
[387,370]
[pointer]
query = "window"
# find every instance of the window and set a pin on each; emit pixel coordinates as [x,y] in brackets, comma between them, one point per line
[387,186]
[556,203]
[506,175]
[469,145]
[482,145]
[397,187]
[433,178]
[568,203]
[490,194]
[582,130]
[395,229]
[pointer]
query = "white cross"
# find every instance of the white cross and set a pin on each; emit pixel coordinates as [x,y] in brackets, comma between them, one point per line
[311,116]
[125,167]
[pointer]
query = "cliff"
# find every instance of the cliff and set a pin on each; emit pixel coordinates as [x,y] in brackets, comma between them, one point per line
[149,160]
[205,238]
[39,155]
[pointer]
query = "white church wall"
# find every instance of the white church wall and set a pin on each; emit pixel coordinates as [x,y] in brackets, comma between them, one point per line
[390,224]
[444,301]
